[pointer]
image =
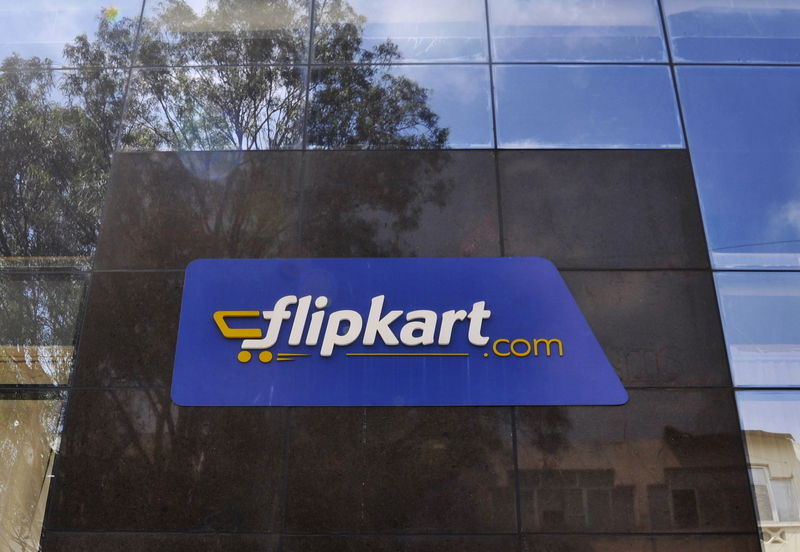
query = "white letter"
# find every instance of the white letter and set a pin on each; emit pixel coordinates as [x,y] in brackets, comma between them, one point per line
[427,326]
[316,321]
[449,318]
[332,335]
[299,320]
[276,317]
[476,317]
[378,325]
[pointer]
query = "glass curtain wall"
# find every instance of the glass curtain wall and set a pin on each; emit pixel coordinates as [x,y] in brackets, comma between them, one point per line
[742,116]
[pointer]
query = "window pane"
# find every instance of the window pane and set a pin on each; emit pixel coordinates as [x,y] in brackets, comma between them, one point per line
[42,28]
[760,313]
[585,106]
[771,423]
[57,133]
[735,31]
[29,429]
[576,30]
[403,106]
[38,320]
[210,32]
[742,125]
[446,30]
[783,491]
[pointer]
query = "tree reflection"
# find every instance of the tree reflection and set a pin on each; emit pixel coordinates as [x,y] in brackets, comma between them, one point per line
[58,130]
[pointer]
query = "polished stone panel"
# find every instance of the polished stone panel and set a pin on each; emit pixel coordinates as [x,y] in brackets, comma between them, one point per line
[166,209]
[658,328]
[411,470]
[132,325]
[668,461]
[133,461]
[399,544]
[157,542]
[426,204]
[694,543]
[602,209]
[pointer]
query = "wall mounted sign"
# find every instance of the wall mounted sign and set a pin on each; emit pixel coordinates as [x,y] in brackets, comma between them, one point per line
[369,332]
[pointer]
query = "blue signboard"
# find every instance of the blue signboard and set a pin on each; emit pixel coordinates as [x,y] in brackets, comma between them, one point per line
[369,332]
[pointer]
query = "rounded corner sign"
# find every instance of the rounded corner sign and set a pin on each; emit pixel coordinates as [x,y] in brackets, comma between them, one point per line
[386,332]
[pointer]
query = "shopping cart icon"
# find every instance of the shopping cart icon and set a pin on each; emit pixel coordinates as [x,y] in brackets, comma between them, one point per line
[246,354]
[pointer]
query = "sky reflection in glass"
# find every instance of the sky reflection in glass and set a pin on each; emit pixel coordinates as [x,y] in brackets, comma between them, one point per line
[41,28]
[586,106]
[761,318]
[743,125]
[576,30]
[446,30]
[734,31]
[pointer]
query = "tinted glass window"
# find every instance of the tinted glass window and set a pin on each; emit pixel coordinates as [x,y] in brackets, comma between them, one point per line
[734,31]
[742,126]
[585,106]
[576,30]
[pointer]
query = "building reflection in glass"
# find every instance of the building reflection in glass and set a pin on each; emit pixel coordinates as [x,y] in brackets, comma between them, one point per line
[772,429]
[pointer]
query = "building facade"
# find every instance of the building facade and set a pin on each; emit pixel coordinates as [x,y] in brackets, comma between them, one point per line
[648,148]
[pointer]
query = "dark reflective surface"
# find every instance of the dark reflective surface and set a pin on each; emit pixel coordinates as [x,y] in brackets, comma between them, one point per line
[219,32]
[192,205]
[405,544]
[657,328]
[760,313]
[576,30]
[165,210]
[155,542]
[400,470]
[39,317]
[403,107]
[424,204]
[734,31]
[602,209]
[132,460]
[667,461]
[45,29]
[741,123]
[419,31]
[57,133]
[582,543]
[136,349]
[586,106]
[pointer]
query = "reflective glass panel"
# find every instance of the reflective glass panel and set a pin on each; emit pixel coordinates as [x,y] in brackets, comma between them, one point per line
[29,440]
[406,106]
[412,30]
[734,31]
[253,107]
[576,30]
[57,131]
[771,427]
[48,29]
[761,318]
[38,320]
[743,125]
[586,106]
[224,32]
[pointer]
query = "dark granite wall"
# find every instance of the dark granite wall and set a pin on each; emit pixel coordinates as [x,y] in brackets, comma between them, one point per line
[664,473]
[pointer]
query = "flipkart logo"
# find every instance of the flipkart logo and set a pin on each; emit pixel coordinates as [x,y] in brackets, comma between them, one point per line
[345,327]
